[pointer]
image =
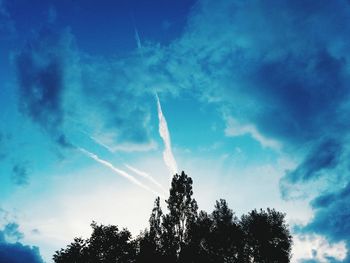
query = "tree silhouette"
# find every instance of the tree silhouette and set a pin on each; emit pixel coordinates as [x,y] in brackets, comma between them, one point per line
[182,212]
[149,242]
[106,244]
[198,248]
[185,236]
[155,226]
[75,252]
[267,238]
[226,236]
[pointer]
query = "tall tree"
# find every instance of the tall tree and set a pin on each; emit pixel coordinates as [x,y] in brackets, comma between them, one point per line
[182,210]
[155,223]
[170,244]
[149,242]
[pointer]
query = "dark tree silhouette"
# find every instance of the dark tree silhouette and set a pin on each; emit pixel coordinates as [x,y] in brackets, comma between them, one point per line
[75,252]
[106,244]
[226,237]
[185,236]
[197,249]
[155,226]
[182,213]
[266,235]
[149,242]
[216,237]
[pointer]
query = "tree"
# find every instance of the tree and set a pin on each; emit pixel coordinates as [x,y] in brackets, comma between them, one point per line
[215,237]
[155,224]
[197,248]
[225,240]
[75,252]
[182,212]
[267,237]
[107,244]
[170,244]
[149,242]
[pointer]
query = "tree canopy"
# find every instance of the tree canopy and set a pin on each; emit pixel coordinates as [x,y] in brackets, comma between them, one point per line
[184,235]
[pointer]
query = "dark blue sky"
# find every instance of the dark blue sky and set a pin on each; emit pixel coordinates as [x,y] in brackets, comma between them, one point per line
[250,98]
[104,28]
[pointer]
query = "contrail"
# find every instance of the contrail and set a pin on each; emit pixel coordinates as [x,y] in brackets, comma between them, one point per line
[119,172]
[145,175]
[93,138]
[100,143]
[137,38]
[168,156]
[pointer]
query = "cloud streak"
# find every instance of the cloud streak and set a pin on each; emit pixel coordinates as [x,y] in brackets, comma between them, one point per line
[236,129]
[145,175]
[168,156]
[119,172]
[137,38]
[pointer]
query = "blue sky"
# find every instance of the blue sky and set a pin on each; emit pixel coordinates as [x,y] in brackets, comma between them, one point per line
[253,104]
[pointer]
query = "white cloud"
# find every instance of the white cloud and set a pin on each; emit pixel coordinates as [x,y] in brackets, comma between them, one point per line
[168,156]
[234,128]
[317,248]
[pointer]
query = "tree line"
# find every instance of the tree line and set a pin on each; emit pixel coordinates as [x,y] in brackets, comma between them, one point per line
[184,235]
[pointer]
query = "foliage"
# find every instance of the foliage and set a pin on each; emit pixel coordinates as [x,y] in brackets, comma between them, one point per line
[267,238]
[185,236]
[106,244]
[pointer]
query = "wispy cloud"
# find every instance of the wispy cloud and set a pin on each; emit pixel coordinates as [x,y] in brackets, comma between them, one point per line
[137,38]
[107,147]
[234,128]
[168,156]
[119,171]
[145,175]
[108,143]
